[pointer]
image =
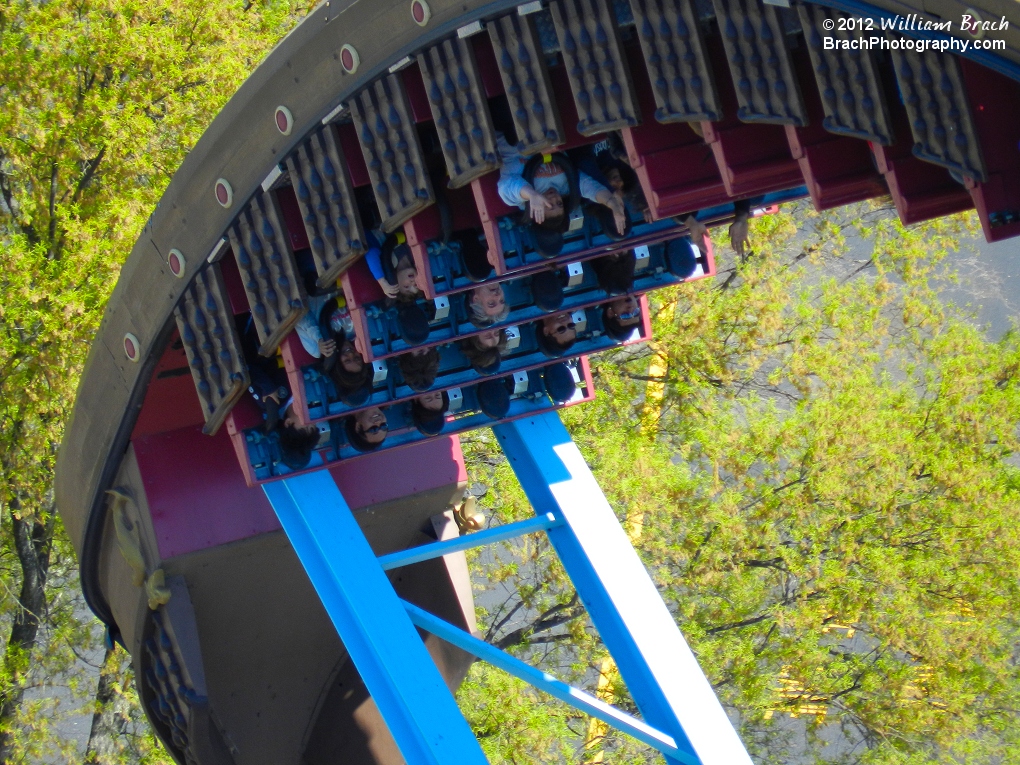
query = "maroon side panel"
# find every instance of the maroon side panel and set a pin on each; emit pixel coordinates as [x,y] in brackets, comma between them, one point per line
[198,497]
[995,105]
[414,86]
[568,110]
[837,170]
[488,69]
[919,189]
[171,400]
[352,153]
[232,281]
[752,158]
[419,230]
[197,493]
[399,473]
[677,171]
[288,203]
[491,207]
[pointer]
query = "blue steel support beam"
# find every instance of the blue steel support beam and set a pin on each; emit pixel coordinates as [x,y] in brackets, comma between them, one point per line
[654,660]
[549,684]
[392,660]
[479,538]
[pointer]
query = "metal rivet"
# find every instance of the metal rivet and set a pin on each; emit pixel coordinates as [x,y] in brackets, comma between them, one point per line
[132,347]
[224,193]
[284,120]
[175,260]
[420,12]
[975,31]
[349,58]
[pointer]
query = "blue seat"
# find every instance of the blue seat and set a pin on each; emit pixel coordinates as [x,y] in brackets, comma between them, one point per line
[529,397]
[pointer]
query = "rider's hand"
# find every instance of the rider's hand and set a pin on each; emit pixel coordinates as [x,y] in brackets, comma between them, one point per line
[327,347]
[619,213]
[614,203]
[698,232]
[538,204]
[390,290]
[738,235]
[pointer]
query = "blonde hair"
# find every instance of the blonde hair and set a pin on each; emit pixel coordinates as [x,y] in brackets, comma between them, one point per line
[477,314]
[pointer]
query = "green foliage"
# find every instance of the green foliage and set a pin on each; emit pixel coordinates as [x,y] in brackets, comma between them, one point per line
[827,496]
[833,452]
[535,729]
[120,733]
[100,101]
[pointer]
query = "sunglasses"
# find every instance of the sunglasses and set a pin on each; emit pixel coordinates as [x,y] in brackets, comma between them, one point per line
[629,315]
[565,329]
[375,429]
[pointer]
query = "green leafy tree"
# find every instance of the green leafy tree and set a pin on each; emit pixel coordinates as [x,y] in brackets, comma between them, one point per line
[120,733]
[100,100]
[827,497]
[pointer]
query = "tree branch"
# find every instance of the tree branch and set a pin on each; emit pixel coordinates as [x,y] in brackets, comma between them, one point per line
[91,166]
[738,625]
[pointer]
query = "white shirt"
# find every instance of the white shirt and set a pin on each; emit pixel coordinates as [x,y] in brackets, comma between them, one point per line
[511,179]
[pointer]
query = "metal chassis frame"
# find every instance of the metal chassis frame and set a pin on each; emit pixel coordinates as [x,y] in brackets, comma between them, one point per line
[683,718]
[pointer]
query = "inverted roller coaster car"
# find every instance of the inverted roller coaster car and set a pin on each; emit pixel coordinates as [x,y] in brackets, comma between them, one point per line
[254,595]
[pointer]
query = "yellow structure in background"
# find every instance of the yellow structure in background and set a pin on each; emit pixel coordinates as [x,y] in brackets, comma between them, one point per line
[801,702]
[797,701]
[654,391]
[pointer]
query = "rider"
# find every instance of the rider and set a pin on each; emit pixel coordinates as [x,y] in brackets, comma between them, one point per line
[549,188]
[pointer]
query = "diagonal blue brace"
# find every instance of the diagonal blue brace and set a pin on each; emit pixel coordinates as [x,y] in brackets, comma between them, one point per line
[390,656]
[546,682]
[489,536]
[656,663]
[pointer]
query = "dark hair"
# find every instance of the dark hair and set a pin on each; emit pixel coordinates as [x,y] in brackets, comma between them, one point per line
[412,322]
[394,258]
[485,361]
[548,235]
[613,327]
[548,227]
[296,445]
[548,343]
[615,272]
[325,328]
[427,421]
[474,256]
[346,382]
[633,194]
[403,298]
[635,197]
[627,174]
[355,439]
[547,289]
[570,201]
[483,358]
[607,221]
[419,370]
